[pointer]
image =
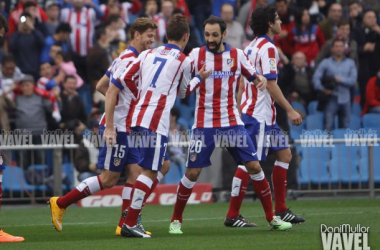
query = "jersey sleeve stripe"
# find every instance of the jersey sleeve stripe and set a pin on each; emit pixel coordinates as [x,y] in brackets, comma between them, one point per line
[117,84]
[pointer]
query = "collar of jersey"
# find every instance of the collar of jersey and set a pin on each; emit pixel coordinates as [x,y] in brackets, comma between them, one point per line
[226,48]
[172,46]
[266,37]
[134,50]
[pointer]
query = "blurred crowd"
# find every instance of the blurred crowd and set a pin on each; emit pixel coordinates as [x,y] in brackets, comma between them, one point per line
[56,51]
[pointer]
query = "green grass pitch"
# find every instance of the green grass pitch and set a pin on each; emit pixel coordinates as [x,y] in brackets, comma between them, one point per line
[93,228]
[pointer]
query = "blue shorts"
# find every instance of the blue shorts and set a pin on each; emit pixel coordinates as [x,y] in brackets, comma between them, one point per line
[204,140]
[117,157]
[267,139]
[151,146]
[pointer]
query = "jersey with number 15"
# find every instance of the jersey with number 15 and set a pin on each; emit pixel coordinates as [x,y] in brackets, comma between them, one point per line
[161,73]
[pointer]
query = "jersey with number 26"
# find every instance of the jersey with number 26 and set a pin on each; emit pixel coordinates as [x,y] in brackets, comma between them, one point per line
[161,71]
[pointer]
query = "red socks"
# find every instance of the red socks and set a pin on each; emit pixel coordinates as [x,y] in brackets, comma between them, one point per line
[85,188]
[142,186]
[239,188]
[183,194]
[262,189]
[126,196]
[279,176]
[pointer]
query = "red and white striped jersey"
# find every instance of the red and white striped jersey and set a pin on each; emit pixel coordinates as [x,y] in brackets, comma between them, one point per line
[259,104]
[83,26]
[161,70]
[215,100]
[127,97]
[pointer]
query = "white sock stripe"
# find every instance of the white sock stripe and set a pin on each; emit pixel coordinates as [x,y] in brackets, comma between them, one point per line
[187,183]
[160,176]
[258,177]
[146,180]
[242,167]
[281,164]
[126,194]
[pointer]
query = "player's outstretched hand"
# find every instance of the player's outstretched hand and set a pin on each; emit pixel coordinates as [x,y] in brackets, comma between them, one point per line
[260,82]
[203,73]
[295,117]
[110,136]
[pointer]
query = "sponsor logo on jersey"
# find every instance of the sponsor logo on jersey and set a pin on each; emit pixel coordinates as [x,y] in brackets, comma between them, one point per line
[272,64]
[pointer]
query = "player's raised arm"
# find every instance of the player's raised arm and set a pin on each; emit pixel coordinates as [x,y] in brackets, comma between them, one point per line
[250,73]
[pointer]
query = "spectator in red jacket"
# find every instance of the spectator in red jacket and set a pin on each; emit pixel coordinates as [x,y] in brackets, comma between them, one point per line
[14,17]
[288,21]
[308,37]
[372,98]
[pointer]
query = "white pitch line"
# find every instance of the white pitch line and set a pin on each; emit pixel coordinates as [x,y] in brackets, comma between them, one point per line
[168,220]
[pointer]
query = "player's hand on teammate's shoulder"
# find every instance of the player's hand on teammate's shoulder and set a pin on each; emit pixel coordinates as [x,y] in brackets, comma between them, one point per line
[295,117]
[203,73]
[110,136]
[260,82]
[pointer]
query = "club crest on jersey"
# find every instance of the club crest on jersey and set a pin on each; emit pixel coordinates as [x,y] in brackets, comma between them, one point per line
[193,157]
[272,64]
[116,162]
[230,62]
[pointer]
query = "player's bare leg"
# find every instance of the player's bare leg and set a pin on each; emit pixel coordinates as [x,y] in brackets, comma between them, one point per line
[58,205]
[279,177]
[185,189]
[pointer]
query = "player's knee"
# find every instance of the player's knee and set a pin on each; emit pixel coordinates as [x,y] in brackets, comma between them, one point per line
[109,183]
[285,156]
[193,173]
[253,167]
[165,167]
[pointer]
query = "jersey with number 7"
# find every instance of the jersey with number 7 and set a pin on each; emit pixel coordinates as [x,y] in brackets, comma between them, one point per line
[161,71]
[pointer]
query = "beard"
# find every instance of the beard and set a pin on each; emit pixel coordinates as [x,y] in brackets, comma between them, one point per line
[217,46]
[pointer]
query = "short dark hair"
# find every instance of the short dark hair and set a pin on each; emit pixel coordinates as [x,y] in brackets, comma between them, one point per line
[63,27]
[99,31]
[343,22]
[7,59]
[141,25]
[177,27]
[216,20]
[3,23]
[175,112]
[278,1]
[26,14]
[69,76]
[260,19]
[29,4]
[338,39]
[354,2]
[112,18]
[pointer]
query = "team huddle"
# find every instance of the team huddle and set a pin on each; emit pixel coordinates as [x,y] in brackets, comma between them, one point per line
[141,87]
